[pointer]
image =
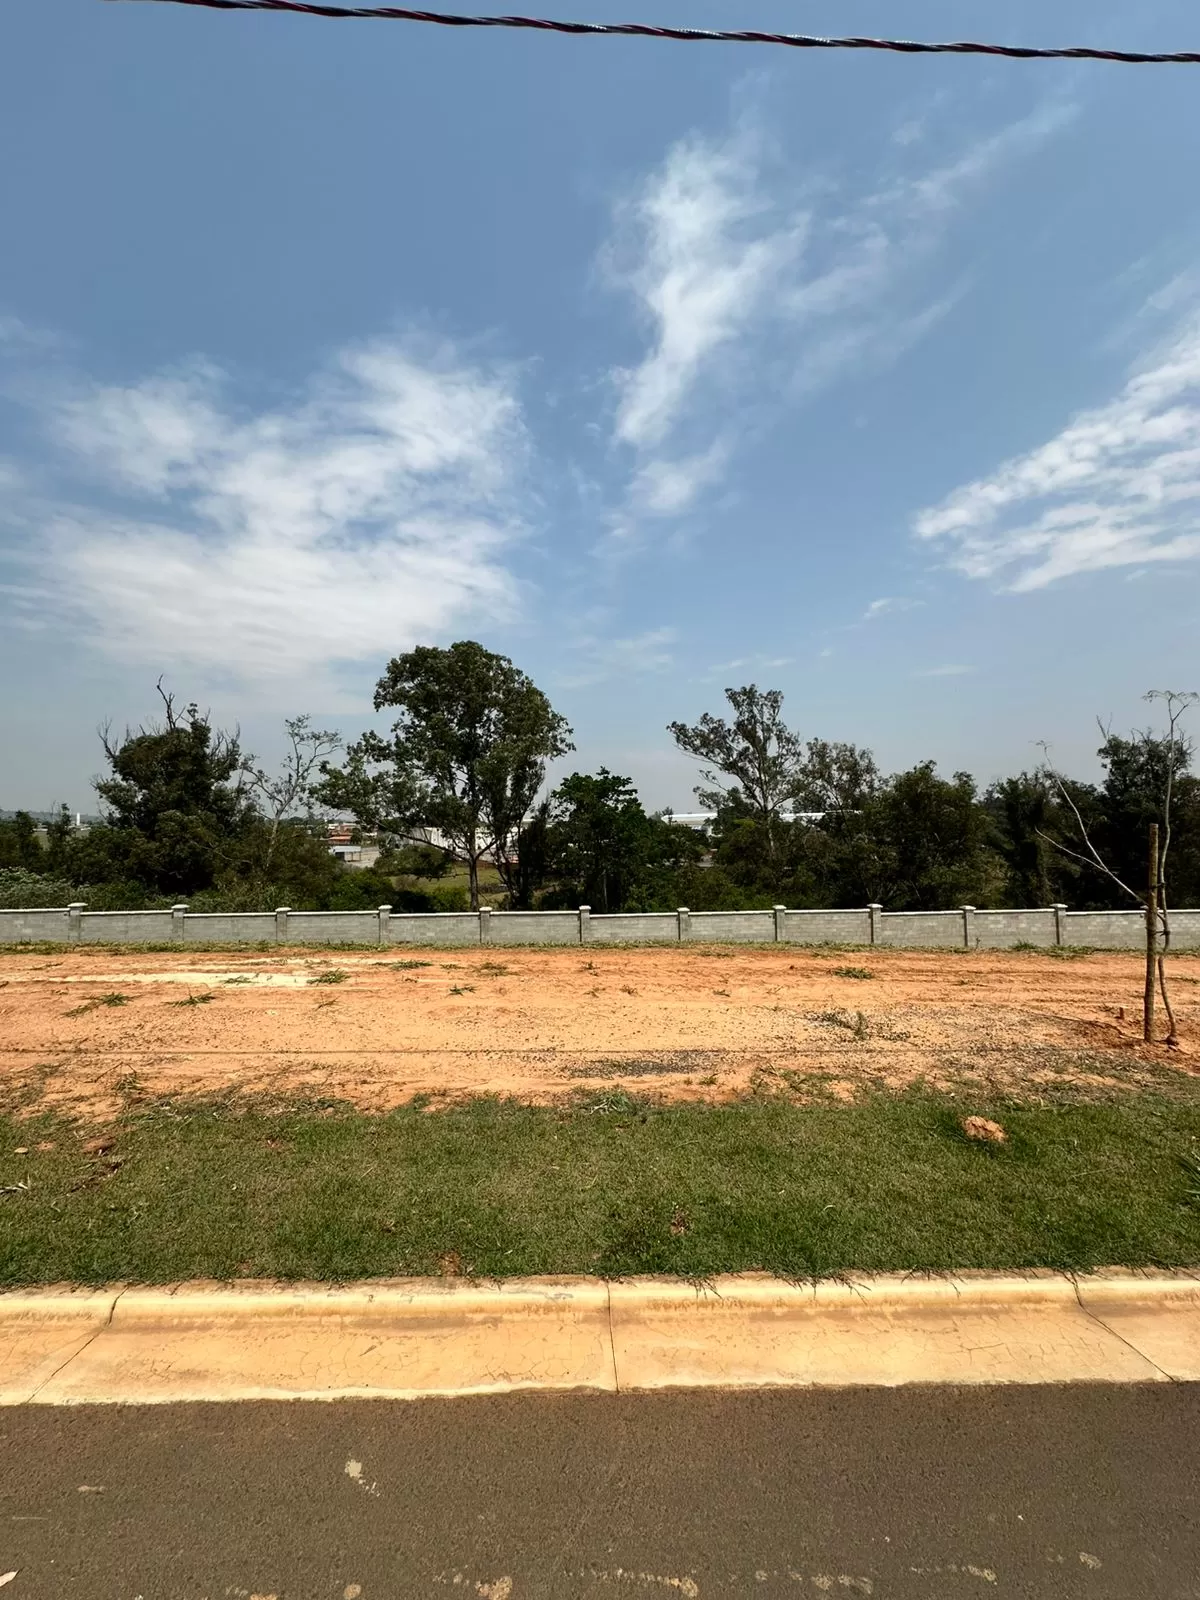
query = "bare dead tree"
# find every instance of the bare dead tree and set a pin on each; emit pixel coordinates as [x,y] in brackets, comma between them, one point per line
[1177,704]
[281,793]
[1153,900]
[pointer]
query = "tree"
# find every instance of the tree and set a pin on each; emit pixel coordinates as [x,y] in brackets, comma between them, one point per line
[753,760]
[835,778]
[291,789]
[1139,772]
[598,838]
[757,769]
[1028,816]
[466,757]
[1140,787]
[19,844]
[919,843]
[603,850]
[175,801]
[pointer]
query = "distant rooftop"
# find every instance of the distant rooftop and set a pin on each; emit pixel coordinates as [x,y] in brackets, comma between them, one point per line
[701,819]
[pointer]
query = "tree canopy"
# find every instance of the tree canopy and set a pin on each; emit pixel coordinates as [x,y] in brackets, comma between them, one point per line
[466,756]
[457,789]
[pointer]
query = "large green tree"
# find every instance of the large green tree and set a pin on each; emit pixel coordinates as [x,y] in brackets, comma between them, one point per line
[175,805]
[20,847]
[751,760]
[465,757]
[757,773]
[1138,771]
[919,843]
[602,848]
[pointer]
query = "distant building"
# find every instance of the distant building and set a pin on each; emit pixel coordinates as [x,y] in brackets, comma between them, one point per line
[703,819]
[363,852]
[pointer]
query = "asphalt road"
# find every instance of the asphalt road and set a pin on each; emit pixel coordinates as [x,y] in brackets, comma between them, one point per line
[904,1495]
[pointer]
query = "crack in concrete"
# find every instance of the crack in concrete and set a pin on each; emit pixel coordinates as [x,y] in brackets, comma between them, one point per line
[75,1354]
[612,1338]
[1128,1343]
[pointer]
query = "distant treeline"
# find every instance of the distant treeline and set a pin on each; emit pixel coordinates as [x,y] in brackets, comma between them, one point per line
[188,815]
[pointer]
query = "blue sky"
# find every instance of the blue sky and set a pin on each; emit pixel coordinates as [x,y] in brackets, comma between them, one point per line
[658,367]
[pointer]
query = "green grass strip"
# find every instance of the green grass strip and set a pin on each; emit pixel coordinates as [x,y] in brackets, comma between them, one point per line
[610,1186]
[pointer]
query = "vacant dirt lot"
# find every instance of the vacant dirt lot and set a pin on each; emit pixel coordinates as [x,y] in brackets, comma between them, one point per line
[91,1029]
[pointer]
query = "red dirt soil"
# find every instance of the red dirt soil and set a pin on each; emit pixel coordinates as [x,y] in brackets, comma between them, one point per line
[699,1022]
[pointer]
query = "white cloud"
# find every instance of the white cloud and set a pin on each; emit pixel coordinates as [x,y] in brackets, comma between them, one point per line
[665,488]
[747,664]
[739,276]
[709,248]
[951,670]
[1119,486]
[889,603]
[370,513]
[627,659]
[18,335]
[865,254]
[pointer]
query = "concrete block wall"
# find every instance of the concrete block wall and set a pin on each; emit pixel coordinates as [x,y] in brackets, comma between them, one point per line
[731,927]
[125,927]
[331,927]
[238,927]
[1000,930]
[827,927]
[922,930]
[530,927]
[433,927]
[963,929]
[1105,930]
[35,926]
[634,927]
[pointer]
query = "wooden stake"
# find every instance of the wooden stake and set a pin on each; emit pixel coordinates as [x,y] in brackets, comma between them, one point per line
[1151,937]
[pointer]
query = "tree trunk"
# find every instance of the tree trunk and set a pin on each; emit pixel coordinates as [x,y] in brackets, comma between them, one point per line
[473,879]
[274,835]
[1151,938]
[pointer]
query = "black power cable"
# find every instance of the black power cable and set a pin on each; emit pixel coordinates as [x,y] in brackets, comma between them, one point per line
[646,30]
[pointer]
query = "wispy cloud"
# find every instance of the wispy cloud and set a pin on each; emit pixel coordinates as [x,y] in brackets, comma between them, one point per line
[1119,486]
[737,274]
[665,488]
[708,246]
[628,659]
[889,603]
[950,670]
[372,511]
[747,664]
[853,304]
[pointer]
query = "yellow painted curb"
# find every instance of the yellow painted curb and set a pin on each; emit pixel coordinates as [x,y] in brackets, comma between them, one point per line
[416,1337]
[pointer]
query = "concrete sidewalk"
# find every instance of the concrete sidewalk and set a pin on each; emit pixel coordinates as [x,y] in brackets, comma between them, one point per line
[415,1337]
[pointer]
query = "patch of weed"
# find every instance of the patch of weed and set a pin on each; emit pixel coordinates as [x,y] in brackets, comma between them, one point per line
[853,972]
[855,1024]
[202,999]
[101,1000]
[334,975]
[407,966]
